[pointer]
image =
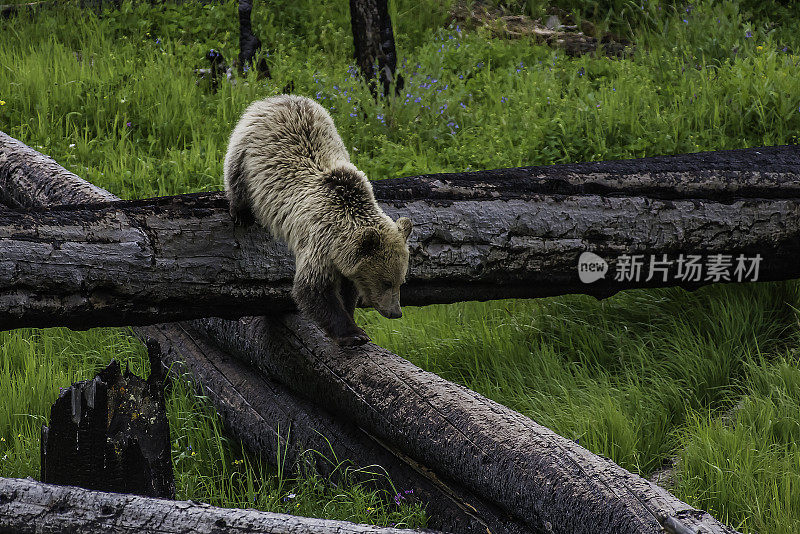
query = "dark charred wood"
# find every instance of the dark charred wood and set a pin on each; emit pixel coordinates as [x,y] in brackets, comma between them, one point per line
[477,440]
[511,233]
[30,507]
[373,39]
[266,416]
[535,475]
[270,420]
[111,434]
[249,44]
[219,68]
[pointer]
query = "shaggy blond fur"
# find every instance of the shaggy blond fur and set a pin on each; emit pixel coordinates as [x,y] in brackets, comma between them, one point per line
[287,166]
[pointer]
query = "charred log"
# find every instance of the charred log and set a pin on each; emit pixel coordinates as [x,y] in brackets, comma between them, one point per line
[30,507]
[511,233]
[550,483]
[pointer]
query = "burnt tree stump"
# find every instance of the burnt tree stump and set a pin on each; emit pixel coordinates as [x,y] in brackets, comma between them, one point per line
[111,433]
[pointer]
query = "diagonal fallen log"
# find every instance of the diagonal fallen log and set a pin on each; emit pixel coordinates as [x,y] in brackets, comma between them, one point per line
[258,410]
[29,507]
[270,420]
[477,236]
[547,481]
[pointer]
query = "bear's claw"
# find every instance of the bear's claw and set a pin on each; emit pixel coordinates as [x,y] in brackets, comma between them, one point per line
[353,340]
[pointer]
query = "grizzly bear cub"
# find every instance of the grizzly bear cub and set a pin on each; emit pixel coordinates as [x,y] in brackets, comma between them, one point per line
[287,166]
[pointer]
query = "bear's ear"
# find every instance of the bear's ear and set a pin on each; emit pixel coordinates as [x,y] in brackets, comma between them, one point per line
[369,241]
[404,225]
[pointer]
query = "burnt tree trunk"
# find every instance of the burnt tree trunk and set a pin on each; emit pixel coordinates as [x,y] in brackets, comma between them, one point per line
[249,44]
[268,419]
[30,507]
[549,482]
[511,233]
[373,39]
[111,434]
[260,411]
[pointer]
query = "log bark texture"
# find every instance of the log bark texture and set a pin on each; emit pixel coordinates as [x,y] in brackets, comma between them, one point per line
[550,483]
[30,179]
[30,507]
[111,434]
[270,419]
[260,412]
[535,475]
[510,233]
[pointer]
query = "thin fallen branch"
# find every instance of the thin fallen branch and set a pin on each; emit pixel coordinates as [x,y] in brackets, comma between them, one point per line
[30,507]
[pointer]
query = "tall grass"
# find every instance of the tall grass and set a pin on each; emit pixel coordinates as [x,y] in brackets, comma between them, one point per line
[641,377]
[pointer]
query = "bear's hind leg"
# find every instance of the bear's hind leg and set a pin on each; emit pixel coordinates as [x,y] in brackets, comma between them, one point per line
[318,296]
[236,189]
[349,296]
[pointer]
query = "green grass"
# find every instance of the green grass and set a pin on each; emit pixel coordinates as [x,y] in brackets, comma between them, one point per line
[209,467]
[642,377]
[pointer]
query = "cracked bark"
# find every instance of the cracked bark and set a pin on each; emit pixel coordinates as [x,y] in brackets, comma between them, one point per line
[511,233]
[30,507]
[548,482]
[268,419]
[259,411]
[111,433]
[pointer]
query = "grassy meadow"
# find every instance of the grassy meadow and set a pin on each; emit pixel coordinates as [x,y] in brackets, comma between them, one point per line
[706,381]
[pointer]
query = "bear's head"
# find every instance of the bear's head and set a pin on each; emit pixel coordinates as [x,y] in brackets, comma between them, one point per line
[380,266]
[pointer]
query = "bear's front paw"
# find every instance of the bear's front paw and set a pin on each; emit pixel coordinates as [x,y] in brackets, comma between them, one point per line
[353,340]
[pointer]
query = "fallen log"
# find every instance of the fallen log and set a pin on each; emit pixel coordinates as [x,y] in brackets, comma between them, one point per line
[7,10]
[270,420]
[513,233]
[535,475]
[258,410]
[30,507]
[547,481]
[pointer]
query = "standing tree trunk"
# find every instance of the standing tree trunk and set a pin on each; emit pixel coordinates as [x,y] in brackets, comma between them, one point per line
[374,43]
[249,44]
